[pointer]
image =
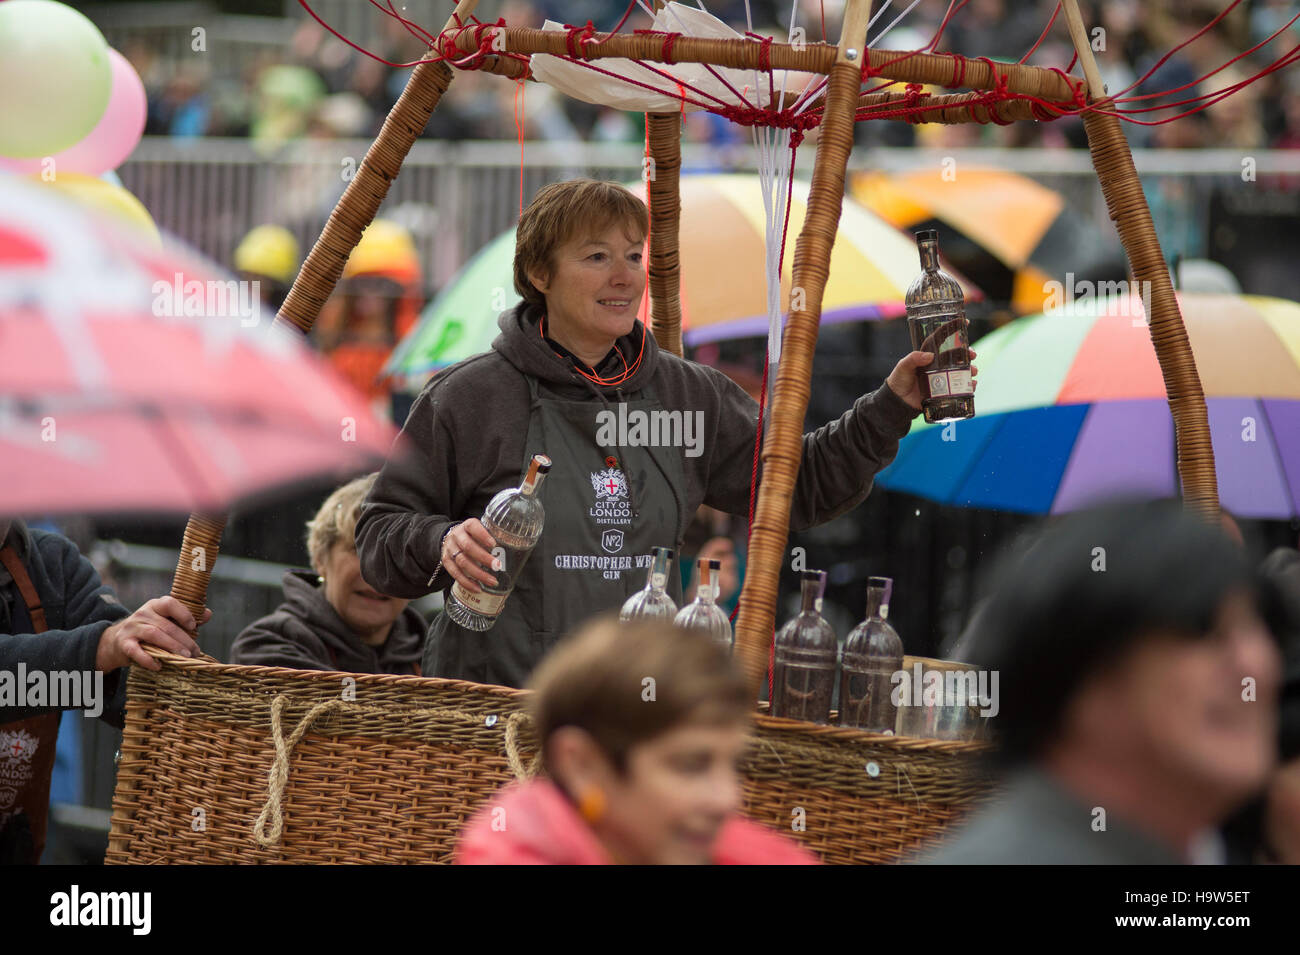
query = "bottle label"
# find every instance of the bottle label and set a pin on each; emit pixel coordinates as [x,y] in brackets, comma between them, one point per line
[489,605]
[945,383]
[658,581]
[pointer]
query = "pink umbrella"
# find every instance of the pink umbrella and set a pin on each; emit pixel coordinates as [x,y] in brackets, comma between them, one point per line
[133,379]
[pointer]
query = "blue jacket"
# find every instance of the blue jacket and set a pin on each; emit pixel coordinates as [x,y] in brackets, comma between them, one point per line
[78,609]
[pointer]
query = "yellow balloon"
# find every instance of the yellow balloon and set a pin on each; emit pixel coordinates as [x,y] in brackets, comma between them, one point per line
[114,201]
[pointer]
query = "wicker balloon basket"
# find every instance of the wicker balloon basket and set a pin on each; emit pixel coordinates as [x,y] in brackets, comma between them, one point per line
[250,764]
[234,764]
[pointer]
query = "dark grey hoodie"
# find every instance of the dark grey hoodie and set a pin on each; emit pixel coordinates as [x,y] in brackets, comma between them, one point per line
[465,435]
[306,633]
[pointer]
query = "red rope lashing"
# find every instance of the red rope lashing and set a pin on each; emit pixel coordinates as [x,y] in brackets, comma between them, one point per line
[958,71]
[578,35]
[915,92]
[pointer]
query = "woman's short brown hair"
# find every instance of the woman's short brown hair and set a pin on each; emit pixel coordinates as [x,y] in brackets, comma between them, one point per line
[627,684]
[337,520]
[561,211]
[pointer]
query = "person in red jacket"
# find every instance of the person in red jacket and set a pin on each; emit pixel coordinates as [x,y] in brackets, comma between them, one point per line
[642,727]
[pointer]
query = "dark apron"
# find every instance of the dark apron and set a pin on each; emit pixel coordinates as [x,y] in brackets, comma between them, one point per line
[26,746]
[594,550]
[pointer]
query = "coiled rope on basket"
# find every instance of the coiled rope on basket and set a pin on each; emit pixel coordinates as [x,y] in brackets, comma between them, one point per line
[268,829]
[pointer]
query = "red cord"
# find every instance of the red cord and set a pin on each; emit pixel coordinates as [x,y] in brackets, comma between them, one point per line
[1043,36]
[519,127]
[628,371]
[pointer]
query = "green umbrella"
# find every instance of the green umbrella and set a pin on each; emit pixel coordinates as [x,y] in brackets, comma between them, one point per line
[461,321]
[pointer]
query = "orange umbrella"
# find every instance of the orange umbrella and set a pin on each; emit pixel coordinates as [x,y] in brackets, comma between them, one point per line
[1006,232]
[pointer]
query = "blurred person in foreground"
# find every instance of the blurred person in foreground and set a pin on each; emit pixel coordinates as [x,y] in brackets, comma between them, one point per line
[1138,693]
[331,619]
[636,772]
[1267,830]
[63,634]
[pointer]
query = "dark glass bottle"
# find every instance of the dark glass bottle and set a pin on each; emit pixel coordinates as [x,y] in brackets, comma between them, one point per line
[803,677]
[873,653]
[936,320]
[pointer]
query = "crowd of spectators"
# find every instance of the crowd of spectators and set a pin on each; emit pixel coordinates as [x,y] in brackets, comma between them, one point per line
[320,87]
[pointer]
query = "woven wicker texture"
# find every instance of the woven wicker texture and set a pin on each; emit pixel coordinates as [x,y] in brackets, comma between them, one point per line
[199,549]
[944,108]
[783,445]
[664,131]
[392,774]
[1128,208]
[942,69]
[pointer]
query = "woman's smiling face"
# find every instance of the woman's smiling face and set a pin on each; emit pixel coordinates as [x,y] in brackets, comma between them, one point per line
[594,290]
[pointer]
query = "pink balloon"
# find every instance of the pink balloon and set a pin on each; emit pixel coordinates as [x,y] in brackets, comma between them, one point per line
[112,140]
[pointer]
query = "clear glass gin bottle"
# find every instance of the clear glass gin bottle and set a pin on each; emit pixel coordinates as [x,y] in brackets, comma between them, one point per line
[652,602]
[936,320]
[873,653]
[703,613]
[803,678]
[514,519]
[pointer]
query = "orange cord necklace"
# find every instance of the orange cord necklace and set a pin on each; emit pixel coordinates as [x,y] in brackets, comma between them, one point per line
[628,371]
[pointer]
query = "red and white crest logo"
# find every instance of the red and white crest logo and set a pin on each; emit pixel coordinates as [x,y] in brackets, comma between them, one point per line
[18,745]
[609,485]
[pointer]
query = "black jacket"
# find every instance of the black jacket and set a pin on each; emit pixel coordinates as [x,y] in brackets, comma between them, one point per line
[78,609]
[306,633]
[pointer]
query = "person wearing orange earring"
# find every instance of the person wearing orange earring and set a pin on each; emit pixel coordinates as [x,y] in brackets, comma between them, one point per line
[642,730]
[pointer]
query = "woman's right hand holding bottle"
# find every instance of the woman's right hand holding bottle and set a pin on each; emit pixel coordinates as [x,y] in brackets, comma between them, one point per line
[467,553]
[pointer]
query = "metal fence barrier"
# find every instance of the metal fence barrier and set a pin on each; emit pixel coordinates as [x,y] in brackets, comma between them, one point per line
[456,196]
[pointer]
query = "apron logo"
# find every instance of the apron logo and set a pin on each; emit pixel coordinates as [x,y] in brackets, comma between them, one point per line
[17,746]
[612,541]
[609,485]
[612,505]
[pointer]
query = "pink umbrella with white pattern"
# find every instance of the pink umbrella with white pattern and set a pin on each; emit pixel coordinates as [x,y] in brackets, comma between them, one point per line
[139,380]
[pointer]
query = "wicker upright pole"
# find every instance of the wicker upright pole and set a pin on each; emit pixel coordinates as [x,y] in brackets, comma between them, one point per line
[662,178]
[783,446]
[319,274]
[1128,208]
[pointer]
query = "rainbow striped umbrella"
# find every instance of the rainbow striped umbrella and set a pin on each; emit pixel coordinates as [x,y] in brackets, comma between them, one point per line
[723,290]
[1072,409]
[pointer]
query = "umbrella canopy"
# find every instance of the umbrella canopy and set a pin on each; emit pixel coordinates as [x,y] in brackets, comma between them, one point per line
[1072,409]
[142,380]
[723,291]
[1003,230]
